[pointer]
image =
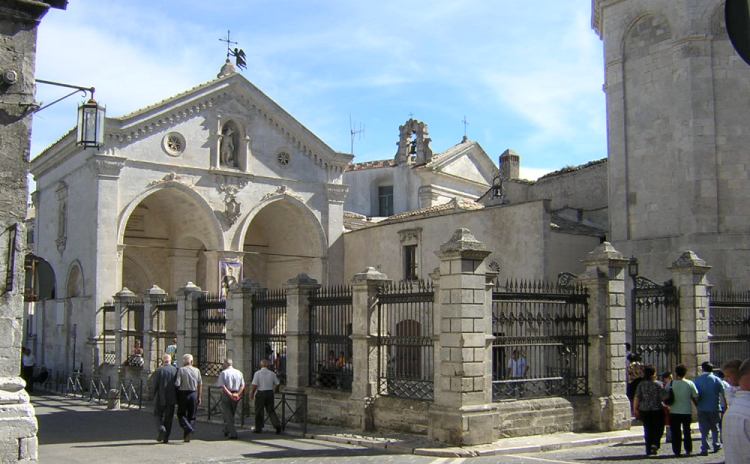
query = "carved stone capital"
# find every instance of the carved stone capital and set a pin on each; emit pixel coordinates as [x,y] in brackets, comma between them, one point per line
[106,167]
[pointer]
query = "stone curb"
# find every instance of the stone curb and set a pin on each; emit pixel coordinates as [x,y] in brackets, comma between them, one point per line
[473,451]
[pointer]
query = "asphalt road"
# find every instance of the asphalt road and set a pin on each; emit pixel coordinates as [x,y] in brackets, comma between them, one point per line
[72,431]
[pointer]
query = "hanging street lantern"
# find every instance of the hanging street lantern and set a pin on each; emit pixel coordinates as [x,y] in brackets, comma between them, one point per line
[90,130]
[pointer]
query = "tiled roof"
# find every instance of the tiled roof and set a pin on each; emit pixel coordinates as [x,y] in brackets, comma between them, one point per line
[455,205]
[568,169]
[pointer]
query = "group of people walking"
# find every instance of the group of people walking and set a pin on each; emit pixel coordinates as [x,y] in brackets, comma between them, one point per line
[183,388]
[722,404]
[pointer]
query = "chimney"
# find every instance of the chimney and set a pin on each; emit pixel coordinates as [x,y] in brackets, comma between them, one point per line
[509,164]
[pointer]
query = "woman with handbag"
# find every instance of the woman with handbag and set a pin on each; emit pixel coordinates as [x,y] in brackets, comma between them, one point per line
[682,393]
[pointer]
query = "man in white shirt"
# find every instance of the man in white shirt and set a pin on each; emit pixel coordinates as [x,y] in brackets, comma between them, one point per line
[730,369]
[517,369]
[264,383]
[232,384]
[189,388]
[27,368]
[736,429]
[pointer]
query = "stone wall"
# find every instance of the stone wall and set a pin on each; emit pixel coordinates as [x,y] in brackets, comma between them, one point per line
[18,28]
[676,135]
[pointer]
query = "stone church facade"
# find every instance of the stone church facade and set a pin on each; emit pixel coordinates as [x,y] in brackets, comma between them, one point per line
[212,186]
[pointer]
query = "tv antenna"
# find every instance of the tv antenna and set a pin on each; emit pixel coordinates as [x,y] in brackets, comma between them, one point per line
[355,133]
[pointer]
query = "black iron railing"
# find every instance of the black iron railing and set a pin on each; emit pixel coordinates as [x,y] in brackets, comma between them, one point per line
[164,329]
[729,326]
[268,322]
[212,334]
[108,340]
[330,344]
[405,340]
[655,320]
[132,333]
[540,347]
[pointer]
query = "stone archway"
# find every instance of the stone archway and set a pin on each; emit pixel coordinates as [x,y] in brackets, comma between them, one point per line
[282,240]
[166,238]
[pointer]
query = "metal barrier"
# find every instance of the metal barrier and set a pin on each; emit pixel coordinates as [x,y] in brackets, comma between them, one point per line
[73,385]
[98,390]
[131,395]
[290,407]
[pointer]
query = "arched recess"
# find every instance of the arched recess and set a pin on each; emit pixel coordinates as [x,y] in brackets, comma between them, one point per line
[167,233]
[280,239]
[40,280]
[74,284]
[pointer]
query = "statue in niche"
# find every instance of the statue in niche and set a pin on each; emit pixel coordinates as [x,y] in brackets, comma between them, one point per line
[229,144]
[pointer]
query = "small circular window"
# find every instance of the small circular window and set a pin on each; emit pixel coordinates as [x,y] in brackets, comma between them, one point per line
[174,144]
[283,158]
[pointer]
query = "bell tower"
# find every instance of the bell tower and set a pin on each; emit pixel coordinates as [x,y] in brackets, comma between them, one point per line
[677,141]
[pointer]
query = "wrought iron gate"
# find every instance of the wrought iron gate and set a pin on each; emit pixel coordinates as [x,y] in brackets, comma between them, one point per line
[212,334]
[655,323]
[269,330]
[330,345]
[729,326]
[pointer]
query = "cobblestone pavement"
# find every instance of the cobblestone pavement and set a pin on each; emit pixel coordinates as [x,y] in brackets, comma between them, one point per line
[73,431]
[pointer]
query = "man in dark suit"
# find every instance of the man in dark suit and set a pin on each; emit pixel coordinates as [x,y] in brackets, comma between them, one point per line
[165,397]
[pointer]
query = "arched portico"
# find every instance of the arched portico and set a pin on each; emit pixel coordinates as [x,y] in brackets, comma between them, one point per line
[167,234]
[281,239]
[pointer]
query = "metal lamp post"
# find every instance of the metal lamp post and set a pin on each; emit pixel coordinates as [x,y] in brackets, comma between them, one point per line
[633,273]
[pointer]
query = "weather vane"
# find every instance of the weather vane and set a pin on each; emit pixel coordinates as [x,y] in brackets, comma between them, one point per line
[466,123]
[237,53]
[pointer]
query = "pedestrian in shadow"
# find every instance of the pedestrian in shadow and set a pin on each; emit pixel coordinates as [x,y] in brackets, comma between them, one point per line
[165,397]
[189,389]
[647,407]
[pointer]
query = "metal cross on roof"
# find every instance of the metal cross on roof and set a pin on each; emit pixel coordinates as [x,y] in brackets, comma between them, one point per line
[237,53]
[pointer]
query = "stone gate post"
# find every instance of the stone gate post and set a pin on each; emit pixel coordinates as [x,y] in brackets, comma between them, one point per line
[364,352]
[122,299]
[463,412]
[298,291]
[689,276]
[151,358]
[187,320]
[605,280]
[238,325]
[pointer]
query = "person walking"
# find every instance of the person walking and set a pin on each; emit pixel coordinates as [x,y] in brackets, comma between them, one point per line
[737,420]
[648,408]
[189,388]
[27,368]
[264,383]
[710,393]
[666,380]
[731,370]
[165,397]
[232,385]
[680,415]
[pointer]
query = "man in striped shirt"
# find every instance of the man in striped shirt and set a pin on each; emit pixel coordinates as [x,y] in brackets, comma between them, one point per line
[736,430]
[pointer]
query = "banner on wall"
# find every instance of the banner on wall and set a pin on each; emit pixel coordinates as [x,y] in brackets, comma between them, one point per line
[230,274]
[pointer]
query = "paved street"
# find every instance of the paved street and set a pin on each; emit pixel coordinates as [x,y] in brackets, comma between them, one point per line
[73,431]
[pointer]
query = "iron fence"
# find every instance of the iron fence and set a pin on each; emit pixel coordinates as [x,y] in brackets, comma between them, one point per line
[655,324]
[164,329]
[729,326]
[132,333]
[98,389]
[212,334]
[540,346]
[108,339]
[330,344]
[268,322]
[405,340]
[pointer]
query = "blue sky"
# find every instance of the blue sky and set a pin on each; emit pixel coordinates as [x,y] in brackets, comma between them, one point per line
[527,75]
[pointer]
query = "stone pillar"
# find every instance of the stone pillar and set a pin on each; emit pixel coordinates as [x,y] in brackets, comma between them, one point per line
[151,358]
[238,325]
[605,280]
[364,326]
[463,412]
[298,291]
[187,335]
[689,277]
[122,299]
